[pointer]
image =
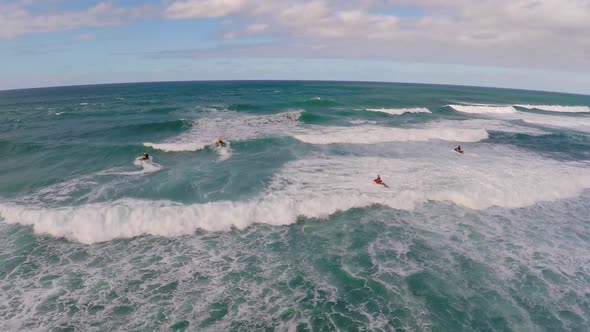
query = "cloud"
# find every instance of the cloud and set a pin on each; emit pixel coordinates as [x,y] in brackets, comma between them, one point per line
[204,8]
[257,28]
[316,18]
[460,21]
[547,34]
[17,20]
[84,37]
[319,19]
[250,30]
[492,32]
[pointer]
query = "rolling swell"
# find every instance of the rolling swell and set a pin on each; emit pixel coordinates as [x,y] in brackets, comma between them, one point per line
[562,146]
[137,132]
[16,148]
[244,107]
[319,102]
[335,117]
[320,187]
[173,125]
[317,118]
[291,236]
[233,126]
[163,110]
[569,121]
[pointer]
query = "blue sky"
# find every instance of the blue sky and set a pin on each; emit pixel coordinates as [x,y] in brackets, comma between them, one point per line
[531,44]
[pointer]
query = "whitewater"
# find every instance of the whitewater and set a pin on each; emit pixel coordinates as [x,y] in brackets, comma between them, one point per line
[282,227]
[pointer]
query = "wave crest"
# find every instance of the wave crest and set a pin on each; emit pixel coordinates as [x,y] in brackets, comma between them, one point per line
[557,108]
[399,111]
[177,147]
[483,109]
[374,134]
[232,126]
[320,187]
[578,123]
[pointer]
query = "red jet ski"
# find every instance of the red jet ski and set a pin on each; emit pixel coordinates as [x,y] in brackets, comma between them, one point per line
[379,181]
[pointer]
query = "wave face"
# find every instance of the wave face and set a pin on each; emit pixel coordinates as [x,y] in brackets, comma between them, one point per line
[452,131]
[232,127]
[507,109]
[318,188]
[552,121]
[375,134]
[574,123]
[557,108]
[178,146]
[483,109]
[283,228]
[399,111]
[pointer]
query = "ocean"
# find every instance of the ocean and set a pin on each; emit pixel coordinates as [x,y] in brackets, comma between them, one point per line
[283,229]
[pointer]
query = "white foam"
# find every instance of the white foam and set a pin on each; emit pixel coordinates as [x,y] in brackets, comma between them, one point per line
[557,108]
[61,192]
[376,134]
[225,152]
[483,109]
[359,122]
[88,186]
[578,123]
[177,147]
[473,130]
[319,187]
[229,125]
[147,166]
[494,125]
[492,177]
[99,222]
[399,111]
[569,122]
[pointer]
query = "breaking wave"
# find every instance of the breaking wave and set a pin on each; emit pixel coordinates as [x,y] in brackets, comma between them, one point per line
[232,127]
[483,109]
[374,134]
[320,187]
[399,111]
[557,108]
[506,109]
[578,123]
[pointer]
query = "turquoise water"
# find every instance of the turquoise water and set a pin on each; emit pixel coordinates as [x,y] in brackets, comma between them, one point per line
[283,229]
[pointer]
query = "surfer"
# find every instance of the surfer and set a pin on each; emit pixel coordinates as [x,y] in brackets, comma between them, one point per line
[458,149]
[220,142]
[145,156]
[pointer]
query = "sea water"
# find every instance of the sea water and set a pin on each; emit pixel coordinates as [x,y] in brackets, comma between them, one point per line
[283,229]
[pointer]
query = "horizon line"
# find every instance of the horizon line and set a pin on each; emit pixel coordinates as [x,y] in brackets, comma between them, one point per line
[291,80]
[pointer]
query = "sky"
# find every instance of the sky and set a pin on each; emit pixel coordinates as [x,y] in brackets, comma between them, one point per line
[528,44]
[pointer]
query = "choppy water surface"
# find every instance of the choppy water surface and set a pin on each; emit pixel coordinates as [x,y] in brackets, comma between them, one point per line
[282,227]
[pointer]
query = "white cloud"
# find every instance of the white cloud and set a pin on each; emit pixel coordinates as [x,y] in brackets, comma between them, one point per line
[498,32]
[16,19]
[527,33]
[319,19]
[204,8]
[250,30]
[257,27]
[462,21]
[84,37]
